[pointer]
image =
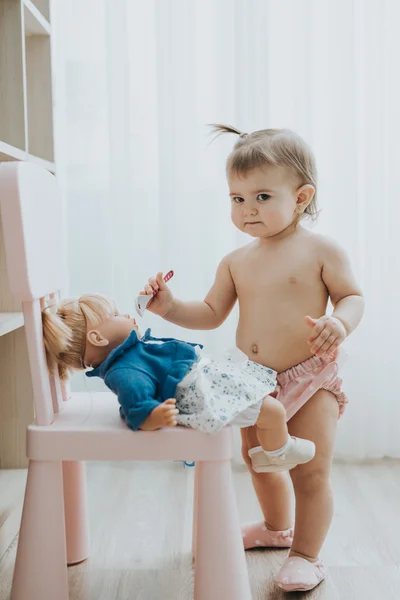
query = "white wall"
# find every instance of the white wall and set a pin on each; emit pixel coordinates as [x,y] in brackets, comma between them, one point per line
[144,191]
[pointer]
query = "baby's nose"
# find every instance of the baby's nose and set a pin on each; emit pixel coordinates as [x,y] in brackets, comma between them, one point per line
[250,211]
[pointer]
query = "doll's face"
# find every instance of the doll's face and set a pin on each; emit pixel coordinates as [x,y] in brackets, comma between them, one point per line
[107,335]
[117,328]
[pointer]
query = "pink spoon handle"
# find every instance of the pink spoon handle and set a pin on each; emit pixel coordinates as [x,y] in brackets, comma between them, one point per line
[166,278]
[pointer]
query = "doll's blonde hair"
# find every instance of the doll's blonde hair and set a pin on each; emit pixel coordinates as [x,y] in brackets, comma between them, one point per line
[65,328]
[273,147]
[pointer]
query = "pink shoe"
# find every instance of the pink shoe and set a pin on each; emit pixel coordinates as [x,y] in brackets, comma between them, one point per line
[300,575]
[257,535]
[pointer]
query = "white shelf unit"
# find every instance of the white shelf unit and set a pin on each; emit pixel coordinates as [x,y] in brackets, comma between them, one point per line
[35,22]
[26,106]
[8,152]
[10,322]
[26,134]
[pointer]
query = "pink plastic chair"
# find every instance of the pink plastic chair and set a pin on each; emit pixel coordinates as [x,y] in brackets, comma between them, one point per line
[72,428]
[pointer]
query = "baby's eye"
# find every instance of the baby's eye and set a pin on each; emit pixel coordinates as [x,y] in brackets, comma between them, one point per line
[237,199]
[263,197]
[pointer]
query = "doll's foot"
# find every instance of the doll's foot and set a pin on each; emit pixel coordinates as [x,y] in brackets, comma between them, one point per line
[161,416]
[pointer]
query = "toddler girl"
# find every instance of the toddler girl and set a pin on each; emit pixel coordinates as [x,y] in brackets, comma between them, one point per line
[283,280]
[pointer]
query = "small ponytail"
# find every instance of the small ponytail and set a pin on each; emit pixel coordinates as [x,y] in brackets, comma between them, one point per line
[220,129]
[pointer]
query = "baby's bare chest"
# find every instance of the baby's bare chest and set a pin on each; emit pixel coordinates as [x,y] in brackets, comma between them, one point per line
[277,275]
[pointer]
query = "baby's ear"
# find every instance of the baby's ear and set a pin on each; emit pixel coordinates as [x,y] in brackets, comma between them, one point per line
[95,338]
[305,194]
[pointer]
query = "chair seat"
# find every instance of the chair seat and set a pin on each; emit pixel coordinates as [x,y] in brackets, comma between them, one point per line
[90,428]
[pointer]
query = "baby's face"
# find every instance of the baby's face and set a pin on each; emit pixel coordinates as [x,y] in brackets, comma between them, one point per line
[263,202]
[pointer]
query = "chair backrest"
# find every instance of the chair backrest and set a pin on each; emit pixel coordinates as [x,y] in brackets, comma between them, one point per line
[30,204]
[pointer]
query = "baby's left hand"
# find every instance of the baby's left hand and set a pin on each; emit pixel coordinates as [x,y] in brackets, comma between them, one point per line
[327,334]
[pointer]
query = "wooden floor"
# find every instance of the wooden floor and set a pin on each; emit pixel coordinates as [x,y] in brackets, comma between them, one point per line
[141,529]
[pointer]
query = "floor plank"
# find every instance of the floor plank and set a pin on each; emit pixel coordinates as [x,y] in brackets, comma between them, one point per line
[141,534]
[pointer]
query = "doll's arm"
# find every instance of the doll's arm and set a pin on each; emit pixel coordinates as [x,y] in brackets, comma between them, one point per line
[136,392]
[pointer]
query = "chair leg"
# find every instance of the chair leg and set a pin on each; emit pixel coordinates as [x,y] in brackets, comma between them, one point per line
[76,514]
[195,511]
[41,567]
[221,572]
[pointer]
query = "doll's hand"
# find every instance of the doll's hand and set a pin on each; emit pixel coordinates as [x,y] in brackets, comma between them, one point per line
[327,334]
[163,299]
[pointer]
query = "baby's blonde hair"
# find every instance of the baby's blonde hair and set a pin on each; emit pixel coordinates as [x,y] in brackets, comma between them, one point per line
[273,147]
[65,327]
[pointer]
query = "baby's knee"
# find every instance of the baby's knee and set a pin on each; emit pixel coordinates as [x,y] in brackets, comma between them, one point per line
[309,478]
[272,412]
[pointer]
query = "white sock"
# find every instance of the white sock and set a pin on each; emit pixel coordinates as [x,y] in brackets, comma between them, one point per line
[282,450]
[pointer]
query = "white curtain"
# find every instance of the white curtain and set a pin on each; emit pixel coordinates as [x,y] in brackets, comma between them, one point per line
[136,84]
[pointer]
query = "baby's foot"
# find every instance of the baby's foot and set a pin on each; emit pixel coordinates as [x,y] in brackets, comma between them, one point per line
[300,575]
[299,451]
[163,415]
[257,535]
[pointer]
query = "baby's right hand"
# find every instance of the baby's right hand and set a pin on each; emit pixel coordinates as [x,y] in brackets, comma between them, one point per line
[162,302]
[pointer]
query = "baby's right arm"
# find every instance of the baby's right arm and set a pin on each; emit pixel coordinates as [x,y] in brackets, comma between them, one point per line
[208,314]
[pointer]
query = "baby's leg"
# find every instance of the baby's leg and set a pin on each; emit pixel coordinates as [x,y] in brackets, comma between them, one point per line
[272,431]
[277,451]
[316,421]
[274,492]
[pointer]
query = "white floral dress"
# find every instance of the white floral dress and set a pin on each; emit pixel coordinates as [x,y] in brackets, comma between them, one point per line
[218,392]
